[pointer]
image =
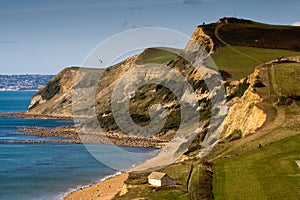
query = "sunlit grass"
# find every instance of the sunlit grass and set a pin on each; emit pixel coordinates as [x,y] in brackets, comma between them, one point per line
[239,66]
[287,78]
[265,173]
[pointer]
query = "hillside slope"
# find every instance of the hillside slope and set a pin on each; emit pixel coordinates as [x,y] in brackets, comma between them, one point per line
[262,165]
[263,105]
[56,98]
[245,162]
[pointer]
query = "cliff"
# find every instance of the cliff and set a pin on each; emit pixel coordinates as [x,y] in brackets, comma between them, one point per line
[55,98]
[244,116]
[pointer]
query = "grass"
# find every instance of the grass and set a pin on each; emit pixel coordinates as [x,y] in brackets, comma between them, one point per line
[144,98]
[199,185]
[177,171]
[261,35]
[287,78]
[157,55]
[239,66]
[265,173]
[168,196]
[53,86]
[51,89]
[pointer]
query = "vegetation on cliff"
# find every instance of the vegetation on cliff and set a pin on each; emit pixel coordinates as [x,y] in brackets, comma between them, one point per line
[262,93]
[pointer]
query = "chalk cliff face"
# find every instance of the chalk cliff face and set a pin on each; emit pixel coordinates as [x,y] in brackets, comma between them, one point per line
[55,97]
[244,113]
[200,39]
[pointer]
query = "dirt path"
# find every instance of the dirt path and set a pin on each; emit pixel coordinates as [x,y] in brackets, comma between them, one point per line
[229,46]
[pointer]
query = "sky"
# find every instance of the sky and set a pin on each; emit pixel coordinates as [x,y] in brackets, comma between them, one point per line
[43,37]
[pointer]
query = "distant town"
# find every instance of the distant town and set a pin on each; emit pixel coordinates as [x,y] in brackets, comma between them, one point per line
[28,82]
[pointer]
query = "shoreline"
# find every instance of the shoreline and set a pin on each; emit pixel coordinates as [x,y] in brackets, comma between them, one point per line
[105,189]
[24,115]
[70,134]
[90,192]
[69,191]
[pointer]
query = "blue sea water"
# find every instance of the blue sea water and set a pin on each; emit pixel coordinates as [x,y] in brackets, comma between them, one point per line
[50,170]
[15,101]
[9,127]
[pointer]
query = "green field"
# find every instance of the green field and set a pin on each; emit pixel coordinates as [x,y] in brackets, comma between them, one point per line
[177,171]
[287,78]
[199,184]
[239,65]
[265,173]
[157,55]
[260,35]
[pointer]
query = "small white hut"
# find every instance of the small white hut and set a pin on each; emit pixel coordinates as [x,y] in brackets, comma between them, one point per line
[159,179]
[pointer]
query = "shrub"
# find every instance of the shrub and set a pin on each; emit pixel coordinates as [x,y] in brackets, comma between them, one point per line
[50,90]
[235,135]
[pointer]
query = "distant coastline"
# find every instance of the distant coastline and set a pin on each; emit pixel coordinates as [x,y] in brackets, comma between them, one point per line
[7,90]
[26,82]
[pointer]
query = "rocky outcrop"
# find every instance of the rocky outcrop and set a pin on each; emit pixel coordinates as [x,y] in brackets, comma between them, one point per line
[55,98]
[244,115]
[200,40]
[69,134]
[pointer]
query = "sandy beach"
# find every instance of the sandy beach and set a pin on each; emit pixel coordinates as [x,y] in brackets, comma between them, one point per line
[104,190]
[107,189]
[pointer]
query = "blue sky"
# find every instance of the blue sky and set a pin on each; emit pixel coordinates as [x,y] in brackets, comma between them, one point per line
[39,36]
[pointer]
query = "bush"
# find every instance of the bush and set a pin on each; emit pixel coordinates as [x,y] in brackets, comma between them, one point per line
[50,90]
[284,101]
[235,135]
[242,87]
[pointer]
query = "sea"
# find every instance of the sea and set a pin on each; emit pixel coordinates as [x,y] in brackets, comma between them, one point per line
[51,170]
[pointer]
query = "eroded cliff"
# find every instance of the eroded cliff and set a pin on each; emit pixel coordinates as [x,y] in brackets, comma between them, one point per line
[55,98]
[244,116]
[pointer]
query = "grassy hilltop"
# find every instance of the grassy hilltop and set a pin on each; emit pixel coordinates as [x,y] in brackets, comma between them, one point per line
[240,45]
